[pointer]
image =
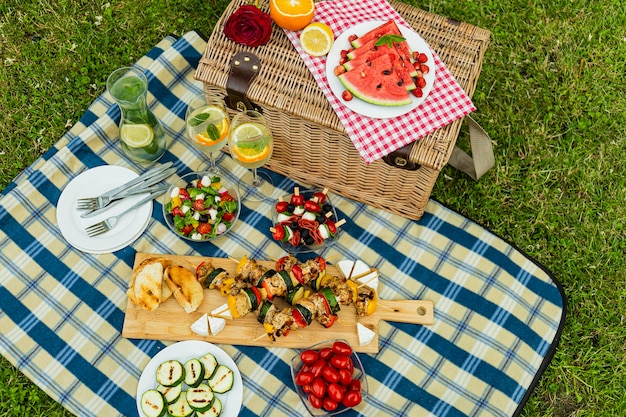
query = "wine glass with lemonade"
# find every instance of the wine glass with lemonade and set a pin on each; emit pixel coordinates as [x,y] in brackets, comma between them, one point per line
[251,145]
[207,126]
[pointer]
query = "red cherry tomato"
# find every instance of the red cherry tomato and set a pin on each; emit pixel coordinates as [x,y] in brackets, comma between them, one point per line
[330,374]
[304,378]
[309,356]
[320,196]
[355,385]
[187,229]
[279,234]
[204,228]
[312,206]
[297,200]
[331,226]
[336,392]
[315,401]
[325,353]
[340,361]
[329,404]
[318,387]
[176,211]
[183,194]
[345,377]
[227,197]
[317,367]
[342,348]
[352,398]
[198,205]
[281,206]
[228,216]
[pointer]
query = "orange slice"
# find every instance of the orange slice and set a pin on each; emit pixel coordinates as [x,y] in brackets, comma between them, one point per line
[251,154]
[292,14]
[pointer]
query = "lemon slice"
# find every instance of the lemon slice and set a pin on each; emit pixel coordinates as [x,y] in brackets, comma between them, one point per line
[247,131]
[316,39]
[136,136]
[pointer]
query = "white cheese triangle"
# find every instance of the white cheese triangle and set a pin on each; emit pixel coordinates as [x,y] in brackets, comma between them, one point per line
[365,334]
[216,324]
[201,326]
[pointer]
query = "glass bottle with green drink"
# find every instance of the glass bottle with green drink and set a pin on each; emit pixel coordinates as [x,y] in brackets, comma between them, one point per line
[141,134]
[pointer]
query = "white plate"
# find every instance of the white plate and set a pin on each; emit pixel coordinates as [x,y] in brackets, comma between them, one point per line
[183,351]
[416,43]
[92,183]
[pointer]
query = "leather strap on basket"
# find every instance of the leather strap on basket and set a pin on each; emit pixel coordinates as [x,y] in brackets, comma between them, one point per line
[482,159]
[244,67]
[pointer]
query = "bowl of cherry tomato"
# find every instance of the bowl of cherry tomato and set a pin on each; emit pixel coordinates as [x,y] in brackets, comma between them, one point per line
[305,221]
[329,378]
[201,206]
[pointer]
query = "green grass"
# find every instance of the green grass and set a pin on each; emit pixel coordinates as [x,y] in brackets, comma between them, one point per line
[551,95]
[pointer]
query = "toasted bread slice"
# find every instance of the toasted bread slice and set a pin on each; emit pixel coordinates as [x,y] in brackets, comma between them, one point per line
[146,287]
[185,287]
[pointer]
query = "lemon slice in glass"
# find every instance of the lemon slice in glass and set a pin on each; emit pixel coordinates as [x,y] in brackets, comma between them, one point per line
[250,151]
[217,130]
[316,39]
[136,136]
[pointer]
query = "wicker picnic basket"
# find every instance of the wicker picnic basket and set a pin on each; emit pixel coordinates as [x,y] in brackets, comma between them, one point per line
[311,145]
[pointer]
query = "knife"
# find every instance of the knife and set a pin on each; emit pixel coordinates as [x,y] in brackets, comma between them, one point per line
[146,186]
[140,179]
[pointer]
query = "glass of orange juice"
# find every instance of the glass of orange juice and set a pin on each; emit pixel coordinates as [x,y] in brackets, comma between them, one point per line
[251,145]
[207,125]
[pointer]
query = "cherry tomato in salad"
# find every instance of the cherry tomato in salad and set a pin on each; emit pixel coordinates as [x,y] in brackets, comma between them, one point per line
[176,211]
[279,233]
[320,197]
[187,229]
[198,205]
[228,216]
[227,197]
[297,200]
[282,206]
[312,206]
[204,228]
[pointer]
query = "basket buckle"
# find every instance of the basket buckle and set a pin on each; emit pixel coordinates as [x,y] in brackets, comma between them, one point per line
[244,67]
[400,158]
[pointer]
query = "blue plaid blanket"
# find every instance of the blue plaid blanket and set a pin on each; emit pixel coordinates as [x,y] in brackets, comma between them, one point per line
[498,314]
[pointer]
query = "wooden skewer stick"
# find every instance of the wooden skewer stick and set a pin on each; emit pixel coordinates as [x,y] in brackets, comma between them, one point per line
[218,316]
[340,222]
[222,311]
[272,229]
[259,337]
[363,274]
[233,259]
[367,282]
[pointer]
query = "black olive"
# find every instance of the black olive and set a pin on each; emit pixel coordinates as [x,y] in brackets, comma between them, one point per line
[290,208]
[320,218]
[304,233]
[203,218]
[326,208]
[309,240]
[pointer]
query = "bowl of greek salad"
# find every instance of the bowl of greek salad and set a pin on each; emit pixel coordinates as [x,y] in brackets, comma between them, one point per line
[201,206]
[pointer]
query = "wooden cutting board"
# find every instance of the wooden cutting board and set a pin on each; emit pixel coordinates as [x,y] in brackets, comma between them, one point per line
[170,322]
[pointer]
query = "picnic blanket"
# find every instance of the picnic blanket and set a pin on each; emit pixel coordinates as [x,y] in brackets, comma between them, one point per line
[498,313]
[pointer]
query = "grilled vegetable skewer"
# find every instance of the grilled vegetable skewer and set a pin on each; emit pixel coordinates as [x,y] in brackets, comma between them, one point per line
[255,286]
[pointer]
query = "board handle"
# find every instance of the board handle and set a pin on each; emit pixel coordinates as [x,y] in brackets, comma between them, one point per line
[406,311]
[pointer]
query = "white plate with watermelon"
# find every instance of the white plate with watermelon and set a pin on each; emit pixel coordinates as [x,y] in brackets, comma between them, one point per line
[385,81]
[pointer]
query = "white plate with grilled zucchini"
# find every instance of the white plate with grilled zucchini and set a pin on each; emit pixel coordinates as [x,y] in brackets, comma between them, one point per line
[190,378]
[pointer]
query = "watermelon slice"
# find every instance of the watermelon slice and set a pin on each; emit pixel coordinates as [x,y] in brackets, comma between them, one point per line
[377,82]
[361,56]
[368,40]
[387,28]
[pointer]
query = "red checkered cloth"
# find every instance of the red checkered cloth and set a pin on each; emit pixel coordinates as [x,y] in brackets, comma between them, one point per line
[374,138]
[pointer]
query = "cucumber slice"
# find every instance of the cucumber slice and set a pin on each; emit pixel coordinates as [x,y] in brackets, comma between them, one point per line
[222,379]
[214,411]
[210,364]
[194,372]
[180,408]
[153,403]
[200,398]
[170,373]
[171,394]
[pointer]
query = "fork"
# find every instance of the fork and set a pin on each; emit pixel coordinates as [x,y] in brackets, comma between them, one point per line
[110,223]
[94,203]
